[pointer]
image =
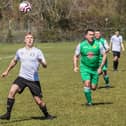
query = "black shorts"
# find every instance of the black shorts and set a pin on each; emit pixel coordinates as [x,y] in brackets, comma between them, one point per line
[34,86]
[115,53]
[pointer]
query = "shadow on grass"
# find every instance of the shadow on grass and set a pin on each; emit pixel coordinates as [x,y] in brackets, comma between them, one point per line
[102,103]
[25,119]
[14,120]
[99,103]
[120,70]
[100,87]
[42,118]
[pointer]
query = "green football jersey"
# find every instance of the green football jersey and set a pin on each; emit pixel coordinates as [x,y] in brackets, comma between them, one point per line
[102,41]
[90,54]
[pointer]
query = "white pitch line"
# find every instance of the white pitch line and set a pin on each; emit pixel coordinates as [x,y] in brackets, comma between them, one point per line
[7,57]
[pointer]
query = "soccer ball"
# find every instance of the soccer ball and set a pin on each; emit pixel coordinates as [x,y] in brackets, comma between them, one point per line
[25,7]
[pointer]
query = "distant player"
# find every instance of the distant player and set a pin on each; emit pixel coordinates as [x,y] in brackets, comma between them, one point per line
[89,52]
[116,44]
[105,45]
[30,58]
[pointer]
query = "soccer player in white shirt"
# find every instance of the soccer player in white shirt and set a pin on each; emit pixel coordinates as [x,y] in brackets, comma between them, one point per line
[30,58]
[116,44]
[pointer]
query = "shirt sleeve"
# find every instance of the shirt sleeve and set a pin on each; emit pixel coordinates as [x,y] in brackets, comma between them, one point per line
[17,57]
[77,50]
[121,39]
[106,45]
[112,38]
[41,56]
[102,49]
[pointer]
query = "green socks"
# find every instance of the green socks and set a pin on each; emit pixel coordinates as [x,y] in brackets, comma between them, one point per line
[87,93]
[106,78]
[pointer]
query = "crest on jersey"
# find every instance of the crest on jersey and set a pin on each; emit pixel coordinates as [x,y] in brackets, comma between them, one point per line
[94,46]
[32,54]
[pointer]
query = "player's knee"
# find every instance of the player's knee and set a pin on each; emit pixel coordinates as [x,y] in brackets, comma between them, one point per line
[115,58]
[13,90]
[87,84]
[93,88]
[39,101]
[11,94]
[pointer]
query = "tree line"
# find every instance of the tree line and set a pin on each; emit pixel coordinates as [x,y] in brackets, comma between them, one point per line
[58,20]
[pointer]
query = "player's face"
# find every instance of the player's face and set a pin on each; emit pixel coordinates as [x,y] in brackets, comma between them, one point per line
[29,41]
[97,34]
[90,36]
[117,33]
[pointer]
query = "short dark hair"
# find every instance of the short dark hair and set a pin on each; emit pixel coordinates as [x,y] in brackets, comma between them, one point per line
[97,30]
[87,30]
[28,33]
[118,30]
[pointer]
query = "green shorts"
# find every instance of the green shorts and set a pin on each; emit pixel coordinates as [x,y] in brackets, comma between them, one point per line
[87,74]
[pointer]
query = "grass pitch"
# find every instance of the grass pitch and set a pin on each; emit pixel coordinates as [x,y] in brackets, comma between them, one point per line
[62,89]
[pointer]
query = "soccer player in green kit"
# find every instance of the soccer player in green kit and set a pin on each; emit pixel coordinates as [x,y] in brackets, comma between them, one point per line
[104,43]
[89,51]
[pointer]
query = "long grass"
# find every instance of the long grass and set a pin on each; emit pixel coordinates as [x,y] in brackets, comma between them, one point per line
[62,90]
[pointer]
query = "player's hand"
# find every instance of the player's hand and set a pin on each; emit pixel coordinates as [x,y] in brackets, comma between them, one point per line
[4,74]
[99,70]
[110,51]
[76,69]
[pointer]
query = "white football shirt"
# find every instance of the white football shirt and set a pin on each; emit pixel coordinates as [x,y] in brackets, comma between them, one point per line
[29,59]
[116,42]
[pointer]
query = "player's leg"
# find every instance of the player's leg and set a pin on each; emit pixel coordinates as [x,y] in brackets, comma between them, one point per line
[87,92]
[10,101]
[35,89]
[87,86]
[115,63]
[42,107]
[116,60]
[105,74]
[18,86]
[94,82]
[106,78]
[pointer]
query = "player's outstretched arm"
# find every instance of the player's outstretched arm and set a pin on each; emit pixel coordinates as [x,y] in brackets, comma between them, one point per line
[122,46]
[10,66]
[76,58]
[110,45]
[75,63]
[102,63]
[107,47]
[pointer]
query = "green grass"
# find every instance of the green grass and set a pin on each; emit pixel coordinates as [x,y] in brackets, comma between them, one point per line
[62,89]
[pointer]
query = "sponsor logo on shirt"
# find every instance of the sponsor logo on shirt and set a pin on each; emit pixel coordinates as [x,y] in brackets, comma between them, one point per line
[90,54]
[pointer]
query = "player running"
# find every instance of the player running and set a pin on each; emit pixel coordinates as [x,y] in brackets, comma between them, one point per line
[116,44]
[104,43]
[90,51]
[30,58]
